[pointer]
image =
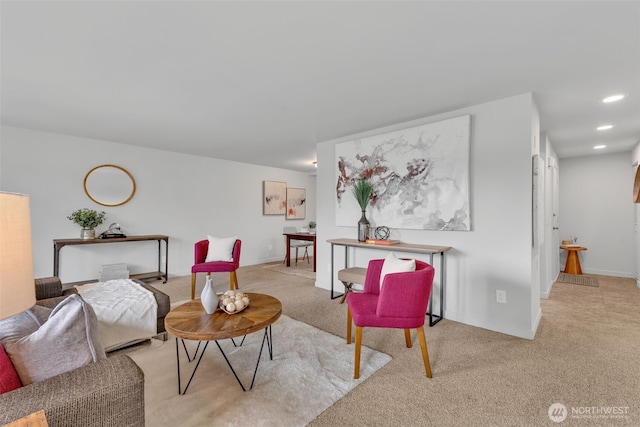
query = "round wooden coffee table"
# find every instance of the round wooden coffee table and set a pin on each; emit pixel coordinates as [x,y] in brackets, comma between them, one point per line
[189,321]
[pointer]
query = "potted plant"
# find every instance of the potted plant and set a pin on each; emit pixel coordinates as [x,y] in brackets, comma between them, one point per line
[362,191]
[312,226]
[88,219]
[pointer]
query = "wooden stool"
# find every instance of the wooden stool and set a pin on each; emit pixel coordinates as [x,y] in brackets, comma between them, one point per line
[349,276]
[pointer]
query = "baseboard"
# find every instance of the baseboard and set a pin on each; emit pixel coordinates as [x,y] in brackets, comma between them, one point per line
[629,275]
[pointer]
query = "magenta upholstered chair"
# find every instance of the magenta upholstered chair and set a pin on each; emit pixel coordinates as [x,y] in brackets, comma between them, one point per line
[402,304]
[201,249]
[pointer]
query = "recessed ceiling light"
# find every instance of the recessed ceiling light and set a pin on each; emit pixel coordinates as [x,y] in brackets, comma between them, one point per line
[599,147]
[613,98]
[604,127]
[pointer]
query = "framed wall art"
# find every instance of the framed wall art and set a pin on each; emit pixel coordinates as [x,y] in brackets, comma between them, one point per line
[274,198]
[420,177]
[296,203]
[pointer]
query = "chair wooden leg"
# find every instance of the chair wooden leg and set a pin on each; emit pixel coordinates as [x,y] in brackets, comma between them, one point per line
[356,369]
[349,322]
[296,256]
[193,285]
[233,280]
[425,354]
[407,337]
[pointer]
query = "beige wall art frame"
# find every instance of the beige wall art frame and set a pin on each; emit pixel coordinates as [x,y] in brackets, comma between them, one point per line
[274,198]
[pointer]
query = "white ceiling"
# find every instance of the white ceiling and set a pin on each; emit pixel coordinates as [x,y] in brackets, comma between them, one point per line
[263,82]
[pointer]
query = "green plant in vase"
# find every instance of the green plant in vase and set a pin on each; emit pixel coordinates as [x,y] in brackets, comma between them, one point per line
[88,219]
[362,191]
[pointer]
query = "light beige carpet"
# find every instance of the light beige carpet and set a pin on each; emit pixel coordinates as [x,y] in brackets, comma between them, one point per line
[584,355]
[577,279]
[308,374]
[302,269]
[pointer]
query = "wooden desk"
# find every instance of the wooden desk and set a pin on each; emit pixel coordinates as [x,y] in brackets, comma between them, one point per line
[189,321]
[399,247]
[572,266]
[60,243]
[300,236]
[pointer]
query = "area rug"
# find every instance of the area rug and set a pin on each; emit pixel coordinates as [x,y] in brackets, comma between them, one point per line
[303,269]
[577,279]
[311,369]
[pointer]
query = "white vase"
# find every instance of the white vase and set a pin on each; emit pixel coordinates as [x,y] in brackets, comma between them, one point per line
[208,297]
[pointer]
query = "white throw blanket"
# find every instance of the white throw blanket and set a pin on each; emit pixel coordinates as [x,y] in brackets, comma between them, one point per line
[126,311]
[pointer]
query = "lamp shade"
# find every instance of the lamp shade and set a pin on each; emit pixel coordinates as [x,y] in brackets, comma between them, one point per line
[17,290]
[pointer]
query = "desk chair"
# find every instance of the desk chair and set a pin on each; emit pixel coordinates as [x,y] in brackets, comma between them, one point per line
[296,244]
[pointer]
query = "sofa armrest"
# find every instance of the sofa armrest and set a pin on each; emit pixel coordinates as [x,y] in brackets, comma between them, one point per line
[109,392]
[48,287]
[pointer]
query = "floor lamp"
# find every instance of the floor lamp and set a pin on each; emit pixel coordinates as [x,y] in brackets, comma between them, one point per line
[17,289]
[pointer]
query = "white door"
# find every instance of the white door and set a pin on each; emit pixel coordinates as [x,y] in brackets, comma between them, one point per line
[555,233]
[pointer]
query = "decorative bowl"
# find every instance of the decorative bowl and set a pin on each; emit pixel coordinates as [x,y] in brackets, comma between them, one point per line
[231,299]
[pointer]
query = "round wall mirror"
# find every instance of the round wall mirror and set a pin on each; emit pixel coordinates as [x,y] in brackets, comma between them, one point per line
[109,185]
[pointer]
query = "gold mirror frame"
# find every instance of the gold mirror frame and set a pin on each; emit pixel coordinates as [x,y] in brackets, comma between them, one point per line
[109,185]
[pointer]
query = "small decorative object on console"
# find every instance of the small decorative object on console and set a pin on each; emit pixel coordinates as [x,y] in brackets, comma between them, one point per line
[88,219]
[382,242]
[232,302]
[382,233]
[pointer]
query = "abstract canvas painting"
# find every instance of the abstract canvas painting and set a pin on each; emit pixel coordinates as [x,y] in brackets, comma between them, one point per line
[296,203]
[274,198]
[420,177]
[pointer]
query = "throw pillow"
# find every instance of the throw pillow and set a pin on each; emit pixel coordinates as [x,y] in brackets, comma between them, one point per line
[220,249]
[392,264]
[67,340]
[22,324]
[8,376]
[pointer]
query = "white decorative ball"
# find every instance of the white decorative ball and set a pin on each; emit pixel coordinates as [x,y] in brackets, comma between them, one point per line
[245,300]
[239,305]
[231,307]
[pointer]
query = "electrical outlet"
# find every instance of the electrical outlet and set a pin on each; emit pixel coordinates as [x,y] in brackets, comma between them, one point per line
[501,296]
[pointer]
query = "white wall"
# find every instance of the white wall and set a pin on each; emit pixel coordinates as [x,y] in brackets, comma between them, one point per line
[497,253]
[596,205]
[185,197]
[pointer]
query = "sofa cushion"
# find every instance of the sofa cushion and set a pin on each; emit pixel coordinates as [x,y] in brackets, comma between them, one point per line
[68,340]
[220,249]
[8,376]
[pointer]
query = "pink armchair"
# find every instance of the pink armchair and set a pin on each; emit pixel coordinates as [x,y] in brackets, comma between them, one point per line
[401,304]
[201,249]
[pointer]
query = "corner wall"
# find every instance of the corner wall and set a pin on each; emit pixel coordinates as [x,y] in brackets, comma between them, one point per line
[497,253]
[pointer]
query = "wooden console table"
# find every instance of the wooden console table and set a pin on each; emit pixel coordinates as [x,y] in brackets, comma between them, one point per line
[159,274]
[399,247]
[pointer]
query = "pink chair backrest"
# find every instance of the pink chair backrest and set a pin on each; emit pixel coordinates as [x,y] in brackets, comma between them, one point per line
[404,294]
[202,247]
